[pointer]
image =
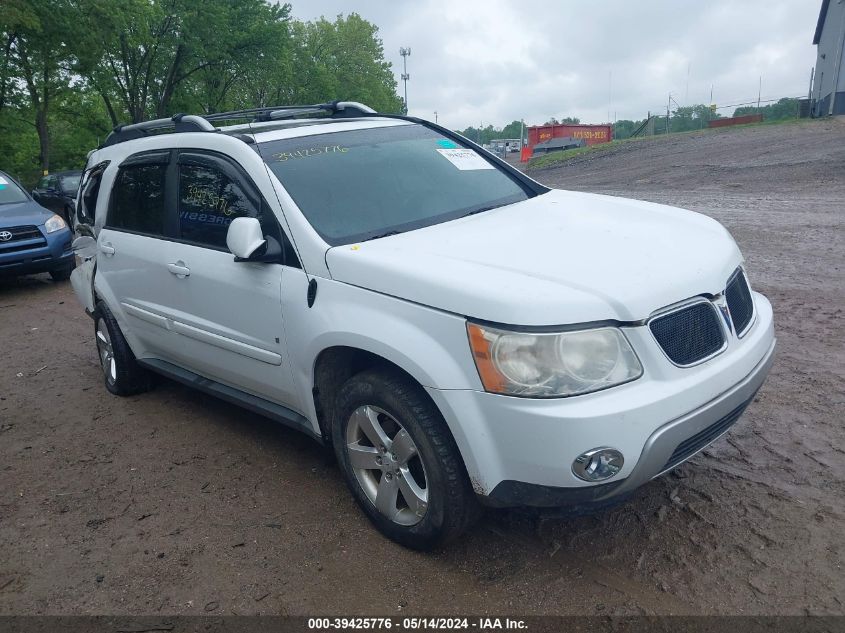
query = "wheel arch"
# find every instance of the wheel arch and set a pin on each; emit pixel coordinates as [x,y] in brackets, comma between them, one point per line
[333,366]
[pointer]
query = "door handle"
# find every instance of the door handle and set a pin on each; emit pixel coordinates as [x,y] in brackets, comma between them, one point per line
[107,249]
[179,269]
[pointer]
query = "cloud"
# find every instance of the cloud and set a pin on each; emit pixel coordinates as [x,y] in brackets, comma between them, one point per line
[495,61]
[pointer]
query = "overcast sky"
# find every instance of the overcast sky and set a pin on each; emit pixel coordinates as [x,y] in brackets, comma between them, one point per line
[495,61]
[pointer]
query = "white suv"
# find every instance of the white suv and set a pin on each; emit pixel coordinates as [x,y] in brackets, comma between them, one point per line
[457,331]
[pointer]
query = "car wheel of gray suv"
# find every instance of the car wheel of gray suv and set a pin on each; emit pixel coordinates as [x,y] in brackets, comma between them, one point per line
[123,375]
[400,461]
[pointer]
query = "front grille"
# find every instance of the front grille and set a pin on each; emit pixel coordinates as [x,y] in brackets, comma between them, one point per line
[690,334]
[693,444]
[19,234]
[739,300]
[22,233]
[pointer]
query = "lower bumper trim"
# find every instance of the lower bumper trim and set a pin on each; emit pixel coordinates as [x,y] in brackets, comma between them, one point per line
[670,445]
[511,494]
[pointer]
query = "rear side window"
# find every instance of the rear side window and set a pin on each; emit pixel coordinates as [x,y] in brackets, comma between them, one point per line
[209,199]
[137,199]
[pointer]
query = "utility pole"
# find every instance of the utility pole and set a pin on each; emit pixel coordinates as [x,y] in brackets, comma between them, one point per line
[521,133]
[668,107]
[810,91]
[405,53]
[759,92]
[435,116]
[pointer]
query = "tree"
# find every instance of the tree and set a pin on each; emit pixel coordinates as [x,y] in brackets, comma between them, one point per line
[785,108]
[70,70]
[344,60]
[37,60]
[150,49]
[512,130]
[565,120]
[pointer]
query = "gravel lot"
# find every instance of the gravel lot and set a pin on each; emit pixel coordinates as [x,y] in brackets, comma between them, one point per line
[173,502]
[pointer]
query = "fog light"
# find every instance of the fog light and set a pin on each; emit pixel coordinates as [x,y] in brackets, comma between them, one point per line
[598,464]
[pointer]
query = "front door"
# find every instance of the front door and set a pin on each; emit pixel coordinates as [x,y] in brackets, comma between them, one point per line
[227,314]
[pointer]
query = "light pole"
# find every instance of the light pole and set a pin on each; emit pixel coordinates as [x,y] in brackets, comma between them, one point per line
[405,53]
[435,116]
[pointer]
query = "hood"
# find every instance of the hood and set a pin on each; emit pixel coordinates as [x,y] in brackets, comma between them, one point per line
[559,258]
[23,213]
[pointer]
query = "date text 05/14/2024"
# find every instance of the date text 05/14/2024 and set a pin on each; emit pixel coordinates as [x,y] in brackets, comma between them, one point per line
[414,623]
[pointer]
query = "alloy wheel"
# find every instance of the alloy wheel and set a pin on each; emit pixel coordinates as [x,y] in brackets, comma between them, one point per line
[104,348]
[387,465]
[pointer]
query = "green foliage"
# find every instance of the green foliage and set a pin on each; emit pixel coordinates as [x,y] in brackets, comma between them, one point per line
[343,57]
[555,158]
[568,119]
[487,134]
[682,119]
[62,89]
[783,109]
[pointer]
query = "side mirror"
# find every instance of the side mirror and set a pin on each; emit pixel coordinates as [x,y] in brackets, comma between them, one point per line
[84,247]
[246,240]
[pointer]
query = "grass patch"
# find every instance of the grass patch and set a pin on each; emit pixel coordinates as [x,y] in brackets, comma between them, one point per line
[557,158]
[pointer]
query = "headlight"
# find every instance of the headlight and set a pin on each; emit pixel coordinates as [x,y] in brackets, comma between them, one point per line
[54,224]
[549,365]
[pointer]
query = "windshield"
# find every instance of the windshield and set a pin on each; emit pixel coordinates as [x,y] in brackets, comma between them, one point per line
[10,192]
[69,183]
[362,184]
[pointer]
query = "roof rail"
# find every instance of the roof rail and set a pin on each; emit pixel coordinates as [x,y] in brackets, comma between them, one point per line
[178,122]
[337,109]
[195,123]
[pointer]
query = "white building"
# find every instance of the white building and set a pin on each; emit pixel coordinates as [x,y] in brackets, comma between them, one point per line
[828,94]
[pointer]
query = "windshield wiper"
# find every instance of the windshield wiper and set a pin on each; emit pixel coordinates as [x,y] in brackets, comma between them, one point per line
[381,235]
[482,210]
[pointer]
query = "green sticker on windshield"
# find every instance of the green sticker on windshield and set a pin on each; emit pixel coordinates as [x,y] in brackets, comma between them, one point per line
[445,143]
[307,152]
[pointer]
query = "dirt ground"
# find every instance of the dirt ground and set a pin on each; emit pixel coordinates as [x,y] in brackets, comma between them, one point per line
[173,502]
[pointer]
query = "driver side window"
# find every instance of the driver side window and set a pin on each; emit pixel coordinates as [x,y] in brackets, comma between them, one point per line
[209,199]
[211,192]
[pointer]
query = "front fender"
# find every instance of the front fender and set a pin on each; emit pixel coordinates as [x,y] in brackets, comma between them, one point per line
[428,344]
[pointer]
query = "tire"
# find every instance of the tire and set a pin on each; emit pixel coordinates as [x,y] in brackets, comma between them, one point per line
[122,373]
[414,462]
[62,274]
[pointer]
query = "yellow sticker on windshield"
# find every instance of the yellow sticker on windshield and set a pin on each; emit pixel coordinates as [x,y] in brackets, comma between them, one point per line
[306,152]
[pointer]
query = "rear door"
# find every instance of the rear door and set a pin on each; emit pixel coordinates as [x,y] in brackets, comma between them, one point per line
[133,249]
[227,314]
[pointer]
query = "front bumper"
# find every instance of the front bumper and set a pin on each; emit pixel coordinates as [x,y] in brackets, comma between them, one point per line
[40,258]
[670,445]
[519,451]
